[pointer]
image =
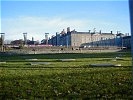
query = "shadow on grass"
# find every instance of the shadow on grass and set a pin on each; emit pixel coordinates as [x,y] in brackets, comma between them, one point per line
[74,84]
[64,56]
[113,59]
[40,67]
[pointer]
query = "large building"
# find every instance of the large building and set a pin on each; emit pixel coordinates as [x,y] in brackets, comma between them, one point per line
[74,38]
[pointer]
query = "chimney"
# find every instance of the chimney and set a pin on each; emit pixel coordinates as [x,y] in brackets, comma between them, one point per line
[68,29]
[63,32]
[89,31]
[32,39]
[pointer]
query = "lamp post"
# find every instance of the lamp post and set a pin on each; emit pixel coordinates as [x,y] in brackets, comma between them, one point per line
[2,41]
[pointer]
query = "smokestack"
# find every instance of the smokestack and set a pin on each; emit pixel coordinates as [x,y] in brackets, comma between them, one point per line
[32,39]
[89,31]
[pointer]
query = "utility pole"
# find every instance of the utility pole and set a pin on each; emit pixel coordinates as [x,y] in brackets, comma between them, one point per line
[131,24]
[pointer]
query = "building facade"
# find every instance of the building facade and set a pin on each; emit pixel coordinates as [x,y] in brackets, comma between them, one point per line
[100,39]
[74,38]
[126,42]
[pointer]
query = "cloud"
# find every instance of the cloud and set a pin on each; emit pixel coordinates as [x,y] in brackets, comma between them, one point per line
[37,26]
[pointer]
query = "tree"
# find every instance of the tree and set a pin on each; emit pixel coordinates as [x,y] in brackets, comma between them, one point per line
[17,42]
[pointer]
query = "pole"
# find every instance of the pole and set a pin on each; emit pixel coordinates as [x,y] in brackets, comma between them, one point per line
[131,24]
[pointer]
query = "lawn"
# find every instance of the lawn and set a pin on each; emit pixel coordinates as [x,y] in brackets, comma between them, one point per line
[66,80]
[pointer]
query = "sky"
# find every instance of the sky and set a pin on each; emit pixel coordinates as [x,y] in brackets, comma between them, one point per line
[39,17]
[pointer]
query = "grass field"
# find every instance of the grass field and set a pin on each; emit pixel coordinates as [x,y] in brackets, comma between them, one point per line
[65,80]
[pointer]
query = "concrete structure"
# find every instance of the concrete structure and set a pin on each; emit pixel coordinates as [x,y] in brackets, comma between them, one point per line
[74,38]
[25,38]
[46,37]
[2,41]
[99,39]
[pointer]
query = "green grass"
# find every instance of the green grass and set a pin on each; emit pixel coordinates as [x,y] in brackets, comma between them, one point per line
[65,80]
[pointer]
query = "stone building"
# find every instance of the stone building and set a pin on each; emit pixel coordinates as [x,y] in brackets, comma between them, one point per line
[98,39]
[74,38]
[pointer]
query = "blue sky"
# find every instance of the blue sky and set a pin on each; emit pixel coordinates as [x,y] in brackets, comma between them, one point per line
[39,17]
